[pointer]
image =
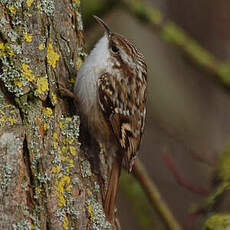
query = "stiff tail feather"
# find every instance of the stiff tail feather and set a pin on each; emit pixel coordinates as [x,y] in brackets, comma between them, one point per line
[111,194]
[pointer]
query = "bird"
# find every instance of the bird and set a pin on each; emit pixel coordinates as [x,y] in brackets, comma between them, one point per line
[111,89]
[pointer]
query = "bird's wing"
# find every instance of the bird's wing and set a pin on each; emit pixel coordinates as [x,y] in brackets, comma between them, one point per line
[123,105]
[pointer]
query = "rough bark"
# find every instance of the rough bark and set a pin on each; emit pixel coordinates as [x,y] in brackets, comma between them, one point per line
[46,181]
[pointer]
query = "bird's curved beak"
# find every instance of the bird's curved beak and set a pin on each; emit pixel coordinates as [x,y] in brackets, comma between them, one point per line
[104,26]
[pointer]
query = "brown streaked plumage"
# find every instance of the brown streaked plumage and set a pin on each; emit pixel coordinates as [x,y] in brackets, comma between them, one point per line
[111,87]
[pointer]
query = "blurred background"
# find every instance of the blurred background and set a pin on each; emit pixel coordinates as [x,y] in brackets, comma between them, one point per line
[188,105]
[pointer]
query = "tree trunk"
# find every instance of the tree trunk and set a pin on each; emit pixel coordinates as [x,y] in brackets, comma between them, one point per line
[46,181]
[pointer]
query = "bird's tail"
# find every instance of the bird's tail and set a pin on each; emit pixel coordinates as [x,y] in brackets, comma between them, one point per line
[111,194]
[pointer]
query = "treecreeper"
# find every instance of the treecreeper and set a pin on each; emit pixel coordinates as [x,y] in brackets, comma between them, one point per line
[111,91]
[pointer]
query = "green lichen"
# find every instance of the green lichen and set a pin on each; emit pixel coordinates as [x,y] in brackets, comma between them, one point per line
[32,114]
[16,78]
[22,225]
[25,224]
[63,166]
[79,21]
[96,214]
[8,115]
[43,178]
[217,222]
[96,187]
[47,6]
[81,51]
[6,176]
[18,74]
[11,75]
[85,169]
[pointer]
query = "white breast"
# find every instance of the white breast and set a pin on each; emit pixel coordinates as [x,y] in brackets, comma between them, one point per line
[86,81]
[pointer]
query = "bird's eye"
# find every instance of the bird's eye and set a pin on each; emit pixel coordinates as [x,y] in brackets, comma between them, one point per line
[114,49]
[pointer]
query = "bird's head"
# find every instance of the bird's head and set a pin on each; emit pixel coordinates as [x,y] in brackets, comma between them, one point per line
[121,49]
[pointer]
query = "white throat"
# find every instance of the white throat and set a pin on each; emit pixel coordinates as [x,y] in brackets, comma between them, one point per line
[95,64]
[100,54]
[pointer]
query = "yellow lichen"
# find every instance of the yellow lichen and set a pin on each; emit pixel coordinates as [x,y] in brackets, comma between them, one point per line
[3,119]
[8,50]
[54,97]
[78,63]
[42,85]
[47,111]
[29,2]
[71,164]
[64,149]
[90,210]
[27,37]
[38,5]
[63,158]
[62,184]
[45,126]
[68,188]
[72,150]
[56,169]
[52,56]
[38,190]
[12,10]
[72,80]
[66,223]
[41,46]
[18,83]
[12,120]
[55,135]
[55,144]
[61,125]
[2,48]
[26,72]
[11,53]
[70,141]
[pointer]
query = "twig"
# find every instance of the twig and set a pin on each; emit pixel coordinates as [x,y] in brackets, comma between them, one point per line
[172,33]
[155,197]
[182,180]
